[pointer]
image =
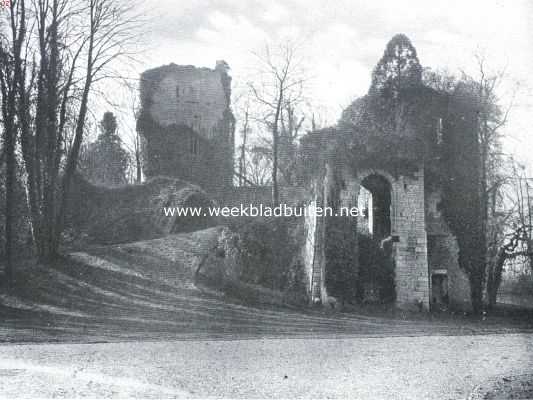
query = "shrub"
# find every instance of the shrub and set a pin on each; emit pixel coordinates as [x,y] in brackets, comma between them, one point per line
[376,271]
[21,224]
[523,285]
[269,251]
[341,259]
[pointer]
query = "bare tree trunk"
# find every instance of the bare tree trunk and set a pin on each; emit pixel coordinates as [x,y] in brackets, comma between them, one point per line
[9,143]
[51,174]
[29,157]
[529,240]
[242,159]
[9,89]
[73,155]
[275,138]
[494,278]
[138,164]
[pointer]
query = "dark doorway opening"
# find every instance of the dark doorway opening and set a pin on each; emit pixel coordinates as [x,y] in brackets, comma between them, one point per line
[439,291]
[376,263]
[437,260]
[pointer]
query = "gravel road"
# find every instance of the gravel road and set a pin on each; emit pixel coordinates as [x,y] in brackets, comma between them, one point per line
[150,333]
[428,367]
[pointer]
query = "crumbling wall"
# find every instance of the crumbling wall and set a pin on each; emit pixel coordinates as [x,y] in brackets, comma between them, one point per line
[445,254]
[262,195]
[134,212]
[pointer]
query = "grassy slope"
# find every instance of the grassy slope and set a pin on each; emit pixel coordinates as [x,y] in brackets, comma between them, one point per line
[145,290]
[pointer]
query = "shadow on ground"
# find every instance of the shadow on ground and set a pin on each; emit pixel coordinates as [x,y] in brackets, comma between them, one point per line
[146,291]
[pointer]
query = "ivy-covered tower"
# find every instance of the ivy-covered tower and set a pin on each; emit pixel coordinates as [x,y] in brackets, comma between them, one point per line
[187,124]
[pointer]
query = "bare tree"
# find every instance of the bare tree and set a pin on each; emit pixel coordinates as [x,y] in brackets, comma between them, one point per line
[133,142]
[499,244]
[501,235]
[280,80]
[70,46]
[11,49]
[259,167]
[242,172]
[512,240]
[291,127]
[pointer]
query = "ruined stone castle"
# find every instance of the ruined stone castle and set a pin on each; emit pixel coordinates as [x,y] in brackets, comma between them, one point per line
[188,131]
[393,145]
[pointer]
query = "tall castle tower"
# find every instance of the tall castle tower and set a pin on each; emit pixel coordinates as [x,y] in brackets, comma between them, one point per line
[187,125]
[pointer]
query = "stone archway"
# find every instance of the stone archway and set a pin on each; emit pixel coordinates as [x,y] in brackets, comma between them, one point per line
[403,228]
[407,237]
[375,248]
[386,187]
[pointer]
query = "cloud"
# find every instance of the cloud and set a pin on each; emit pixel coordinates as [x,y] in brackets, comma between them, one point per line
[344,39]
[275,13]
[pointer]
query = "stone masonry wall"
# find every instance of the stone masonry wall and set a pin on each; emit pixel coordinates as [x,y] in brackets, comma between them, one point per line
[194,97]
[187,124]
[412,275]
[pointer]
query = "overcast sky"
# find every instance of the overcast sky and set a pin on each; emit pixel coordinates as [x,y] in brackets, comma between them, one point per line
[344,39]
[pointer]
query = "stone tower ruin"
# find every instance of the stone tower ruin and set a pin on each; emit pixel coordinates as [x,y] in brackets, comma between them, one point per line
[392,145]
[187,125]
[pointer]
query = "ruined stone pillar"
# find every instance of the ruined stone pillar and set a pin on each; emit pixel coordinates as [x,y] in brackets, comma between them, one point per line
[410,248]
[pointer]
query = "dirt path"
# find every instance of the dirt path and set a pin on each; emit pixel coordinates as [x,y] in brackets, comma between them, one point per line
[431,367]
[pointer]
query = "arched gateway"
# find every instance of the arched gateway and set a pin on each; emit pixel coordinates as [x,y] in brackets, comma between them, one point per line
[395,217]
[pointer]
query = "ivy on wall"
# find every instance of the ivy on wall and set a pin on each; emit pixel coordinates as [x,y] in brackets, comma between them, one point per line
[399,125]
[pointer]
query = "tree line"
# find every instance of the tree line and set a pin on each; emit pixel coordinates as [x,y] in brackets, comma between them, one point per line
[53,56]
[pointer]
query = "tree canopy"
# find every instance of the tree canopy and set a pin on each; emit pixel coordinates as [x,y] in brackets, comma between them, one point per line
[398,68]
[105,161]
